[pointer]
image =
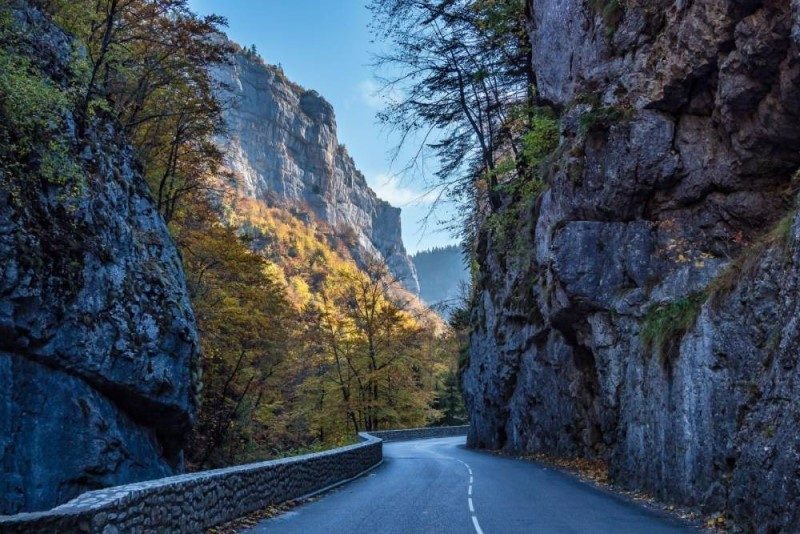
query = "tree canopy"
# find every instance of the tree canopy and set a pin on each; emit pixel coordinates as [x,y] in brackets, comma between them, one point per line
[461,71]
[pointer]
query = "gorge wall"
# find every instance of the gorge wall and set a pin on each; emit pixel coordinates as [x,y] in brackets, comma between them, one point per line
[98,345]
[281,146]
[650,317]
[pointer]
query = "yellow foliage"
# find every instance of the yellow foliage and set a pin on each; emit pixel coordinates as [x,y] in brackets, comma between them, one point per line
[302,347]
[369,355]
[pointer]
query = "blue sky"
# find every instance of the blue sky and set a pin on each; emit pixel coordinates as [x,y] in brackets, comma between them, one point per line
[326,45]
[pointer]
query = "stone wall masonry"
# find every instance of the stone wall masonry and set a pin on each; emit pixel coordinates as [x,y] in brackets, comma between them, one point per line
[196,501]
[421,433]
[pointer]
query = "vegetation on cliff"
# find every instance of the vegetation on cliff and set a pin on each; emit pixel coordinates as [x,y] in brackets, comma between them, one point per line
[99,345]
[635,280]
[34,110]
[464,70]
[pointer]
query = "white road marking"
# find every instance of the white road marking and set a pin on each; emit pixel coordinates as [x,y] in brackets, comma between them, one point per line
[476,525]
[474,516]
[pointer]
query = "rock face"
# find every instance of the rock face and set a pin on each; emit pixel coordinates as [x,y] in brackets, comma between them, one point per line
[281,144]
[98,345]
[652,320]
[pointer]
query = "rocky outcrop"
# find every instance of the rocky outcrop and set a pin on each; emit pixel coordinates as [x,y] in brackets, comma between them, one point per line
[98,345]
[651,320]
[281,145]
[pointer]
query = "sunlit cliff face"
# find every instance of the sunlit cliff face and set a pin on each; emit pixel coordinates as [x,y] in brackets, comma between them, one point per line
[282,146]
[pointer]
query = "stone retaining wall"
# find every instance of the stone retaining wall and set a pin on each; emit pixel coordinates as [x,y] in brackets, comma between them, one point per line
[195,501]
[421,433]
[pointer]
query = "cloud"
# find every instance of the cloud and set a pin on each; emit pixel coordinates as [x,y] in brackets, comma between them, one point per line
[369,94]
[389,188]
[375,97]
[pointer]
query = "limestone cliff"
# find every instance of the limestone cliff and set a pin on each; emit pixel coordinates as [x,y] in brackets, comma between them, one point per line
[98,345]
[651,320]
[281,145]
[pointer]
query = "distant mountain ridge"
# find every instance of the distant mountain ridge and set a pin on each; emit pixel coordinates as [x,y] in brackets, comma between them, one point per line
[441,271]
[282,146]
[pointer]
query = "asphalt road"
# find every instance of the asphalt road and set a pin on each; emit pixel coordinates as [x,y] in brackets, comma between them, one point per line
[439,486]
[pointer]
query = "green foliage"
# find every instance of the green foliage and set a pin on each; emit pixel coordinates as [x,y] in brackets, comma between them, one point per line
[449,401]
[6,21]
[611,11]
[665,324]
[748,259]
[33,109]
[500,18]
[504,222]
[540,140]
[474,271]
[59,167]
[463,358]
[782,232]
[601,118]
[503,168]
[75,16]
[31,104]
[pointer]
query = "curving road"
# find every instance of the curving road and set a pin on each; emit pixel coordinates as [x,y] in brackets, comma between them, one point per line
[439,486]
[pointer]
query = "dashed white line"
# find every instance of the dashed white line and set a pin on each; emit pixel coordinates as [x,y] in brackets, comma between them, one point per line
[474,516]
[476,525]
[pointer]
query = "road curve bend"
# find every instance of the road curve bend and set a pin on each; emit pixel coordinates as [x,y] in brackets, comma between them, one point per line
[439,486]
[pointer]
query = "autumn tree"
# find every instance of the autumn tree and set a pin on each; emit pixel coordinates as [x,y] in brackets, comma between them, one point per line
[370,369]
[147,62]
[245,324]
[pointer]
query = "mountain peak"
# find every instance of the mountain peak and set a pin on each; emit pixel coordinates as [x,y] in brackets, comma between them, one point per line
[282,146]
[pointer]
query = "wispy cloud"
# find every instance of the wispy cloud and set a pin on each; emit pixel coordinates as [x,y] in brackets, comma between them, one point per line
[375,97]
[389,188]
